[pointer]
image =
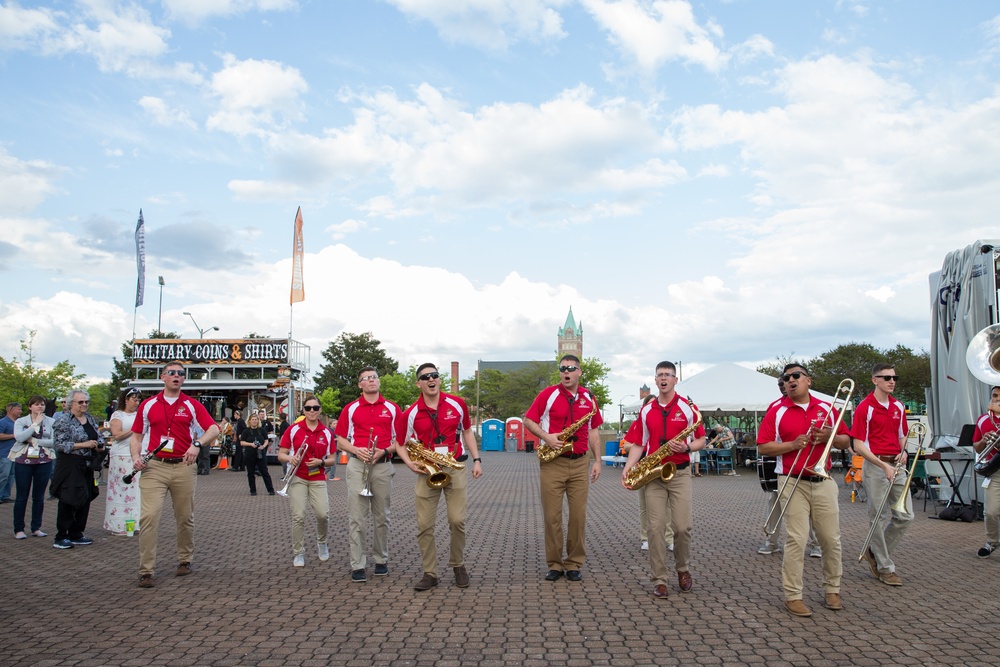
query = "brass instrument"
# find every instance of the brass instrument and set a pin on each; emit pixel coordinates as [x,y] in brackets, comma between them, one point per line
[900,505]
[547,454]
[983,359]
[366,475]
[652,465]
[986,466]
[433,464]
[290,475]
[843,395]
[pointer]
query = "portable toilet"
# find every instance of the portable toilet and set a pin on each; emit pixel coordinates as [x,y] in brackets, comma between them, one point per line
[492,435]
[514,434]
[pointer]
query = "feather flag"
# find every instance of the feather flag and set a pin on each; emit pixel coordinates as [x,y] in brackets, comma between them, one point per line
[298,289]
[140,259]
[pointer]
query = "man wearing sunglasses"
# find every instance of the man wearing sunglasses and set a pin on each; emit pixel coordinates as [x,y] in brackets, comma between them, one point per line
[440,422]
[879,431]
[796,430]
[555,409]
[369,419]
[169,418]
[307,447]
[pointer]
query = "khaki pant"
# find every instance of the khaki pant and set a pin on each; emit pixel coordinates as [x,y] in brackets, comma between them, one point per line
[669,503]
[668,535]
[301,492]
[569,478]
[991,510]
[817,501]
[884,542]
[427,500]
[155,481]
[360,508]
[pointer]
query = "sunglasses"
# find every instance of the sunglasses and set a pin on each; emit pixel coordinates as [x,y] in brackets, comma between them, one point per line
[174,372]
[429,376]
[365,378]
[888,378]
[312,408]
[82,402]
[568,369]
[792,376]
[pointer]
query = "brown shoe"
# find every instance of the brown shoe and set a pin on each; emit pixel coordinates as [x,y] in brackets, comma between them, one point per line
[798,608]
[872,563]
[146,581]
[684,581]
[660,592]
[834,602]
[461,577]
[890,578]
[428,582]
[183,569]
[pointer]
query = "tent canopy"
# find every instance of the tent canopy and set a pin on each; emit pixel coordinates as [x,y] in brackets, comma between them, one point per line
[730,389]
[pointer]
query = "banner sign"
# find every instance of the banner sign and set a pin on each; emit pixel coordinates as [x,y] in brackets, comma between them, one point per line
[251,351]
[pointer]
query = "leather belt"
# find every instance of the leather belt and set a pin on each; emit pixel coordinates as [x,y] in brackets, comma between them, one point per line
[815,479]
[888,458]
[572,456]
[681,466]
[169,461]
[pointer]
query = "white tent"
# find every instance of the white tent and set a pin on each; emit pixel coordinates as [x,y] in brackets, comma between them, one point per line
[731,389]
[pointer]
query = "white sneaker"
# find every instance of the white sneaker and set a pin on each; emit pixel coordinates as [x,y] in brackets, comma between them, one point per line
[645,546]
[324,552]
[815,552]
[768,549]
[299,560]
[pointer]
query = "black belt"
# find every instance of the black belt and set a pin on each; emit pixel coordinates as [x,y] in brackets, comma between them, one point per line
[815,479]
[681,466]
[572,456]
[384,459]
[170,461]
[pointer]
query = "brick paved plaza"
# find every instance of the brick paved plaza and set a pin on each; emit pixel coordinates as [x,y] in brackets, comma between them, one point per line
[246,605]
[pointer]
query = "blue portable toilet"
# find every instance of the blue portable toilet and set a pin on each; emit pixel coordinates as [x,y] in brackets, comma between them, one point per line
[611,448]
[492,434]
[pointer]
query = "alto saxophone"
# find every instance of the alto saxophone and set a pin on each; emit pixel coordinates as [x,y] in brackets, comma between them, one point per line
[433,464]
[653,466]
[567,436]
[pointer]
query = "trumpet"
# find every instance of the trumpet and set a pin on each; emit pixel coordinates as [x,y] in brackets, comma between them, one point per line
[567,436]
[900,505]
[290,475]
[366,475]
[433,464]
[843,395]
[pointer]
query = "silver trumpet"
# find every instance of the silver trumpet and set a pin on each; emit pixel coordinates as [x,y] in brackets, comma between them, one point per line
[366,488]
[290,475]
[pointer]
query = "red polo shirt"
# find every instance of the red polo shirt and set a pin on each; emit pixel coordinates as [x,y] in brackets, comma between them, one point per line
[984,425]
[880,427]
[319,445]
[172,420]
[662,423]
[442,427]
[555,408]
[359,418]
[785,420]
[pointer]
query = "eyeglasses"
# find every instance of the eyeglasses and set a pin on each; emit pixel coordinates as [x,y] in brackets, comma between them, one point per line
[660,376]
[312,408]
[793,376]
[888,378]
[365,378]
[82,402]
[429,376]
[174,372]
[568,369]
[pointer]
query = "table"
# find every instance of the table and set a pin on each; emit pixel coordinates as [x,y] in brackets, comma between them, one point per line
[956,491]
[614,460]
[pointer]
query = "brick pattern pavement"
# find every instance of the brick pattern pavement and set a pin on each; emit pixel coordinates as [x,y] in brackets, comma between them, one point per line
[246,605]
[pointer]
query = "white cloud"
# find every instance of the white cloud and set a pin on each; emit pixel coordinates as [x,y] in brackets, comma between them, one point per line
[255,95]
[196,11]
[342,229]
[119,38]
[24,184]
[20,28]
[164,115]
[489,24]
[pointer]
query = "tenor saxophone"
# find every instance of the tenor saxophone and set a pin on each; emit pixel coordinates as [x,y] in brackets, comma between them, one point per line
[653,466]
[567,436]
[433,464]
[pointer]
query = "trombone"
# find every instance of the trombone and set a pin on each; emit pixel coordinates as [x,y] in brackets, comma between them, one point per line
[843,395]
[900,505]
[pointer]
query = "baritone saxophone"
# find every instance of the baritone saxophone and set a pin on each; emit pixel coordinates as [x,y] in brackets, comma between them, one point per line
[653,466]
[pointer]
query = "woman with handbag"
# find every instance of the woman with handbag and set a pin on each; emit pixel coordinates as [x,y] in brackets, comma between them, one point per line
[123,499]
[80,449]
[33,458]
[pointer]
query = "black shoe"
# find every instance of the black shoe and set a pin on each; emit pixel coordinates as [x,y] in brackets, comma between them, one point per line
[270,493]
[574,575]
[359,576]
[253,493]
[381,569]
[554,575]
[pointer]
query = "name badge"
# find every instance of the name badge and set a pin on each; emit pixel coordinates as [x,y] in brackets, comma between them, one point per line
[440,450]
[168,447]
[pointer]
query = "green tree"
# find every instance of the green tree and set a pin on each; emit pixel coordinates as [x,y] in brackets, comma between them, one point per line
[329,398]
[20,379]
[101,395]
[345,357]
[122,370]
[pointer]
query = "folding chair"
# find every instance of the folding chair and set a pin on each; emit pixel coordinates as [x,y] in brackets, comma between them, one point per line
[853,479]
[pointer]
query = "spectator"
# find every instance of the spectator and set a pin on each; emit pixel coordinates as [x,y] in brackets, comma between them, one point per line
[33,458]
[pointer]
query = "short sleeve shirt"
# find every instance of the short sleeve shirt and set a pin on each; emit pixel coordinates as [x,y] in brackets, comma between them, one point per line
[554,409]
[319,445]
[177,420]
[880,427]
[786,420]
[442,427]
[360,419]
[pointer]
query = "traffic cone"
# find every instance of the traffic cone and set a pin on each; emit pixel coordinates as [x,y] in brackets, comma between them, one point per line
[343,459]
[223,464]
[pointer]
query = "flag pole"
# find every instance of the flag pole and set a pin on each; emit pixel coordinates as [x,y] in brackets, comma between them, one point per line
[297,293]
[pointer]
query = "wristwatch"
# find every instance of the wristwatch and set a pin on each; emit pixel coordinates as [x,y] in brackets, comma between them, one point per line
[197,443]
[477,460]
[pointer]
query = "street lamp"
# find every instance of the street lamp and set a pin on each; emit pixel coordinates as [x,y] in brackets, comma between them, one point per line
[159,315]
[201,332]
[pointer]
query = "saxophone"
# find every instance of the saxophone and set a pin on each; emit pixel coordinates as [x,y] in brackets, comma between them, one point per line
[547,454]
[652,466]
[433,463]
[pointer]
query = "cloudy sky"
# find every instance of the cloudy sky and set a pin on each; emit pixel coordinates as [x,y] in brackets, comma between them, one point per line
[701,182]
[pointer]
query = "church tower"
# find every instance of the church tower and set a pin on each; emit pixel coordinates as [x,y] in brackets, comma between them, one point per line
[570,337]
